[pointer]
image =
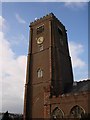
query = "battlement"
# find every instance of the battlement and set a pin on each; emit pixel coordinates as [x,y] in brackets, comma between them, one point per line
[47,16]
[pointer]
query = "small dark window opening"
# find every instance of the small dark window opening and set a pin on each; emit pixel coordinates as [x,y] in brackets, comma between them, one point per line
[60,31]
[40,29]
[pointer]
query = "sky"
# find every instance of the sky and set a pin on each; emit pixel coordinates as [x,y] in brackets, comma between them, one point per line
[14,40]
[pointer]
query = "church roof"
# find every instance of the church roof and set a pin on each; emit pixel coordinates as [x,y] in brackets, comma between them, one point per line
[81,86]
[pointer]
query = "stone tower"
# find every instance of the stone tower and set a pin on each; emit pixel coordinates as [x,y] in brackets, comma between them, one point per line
[48,65]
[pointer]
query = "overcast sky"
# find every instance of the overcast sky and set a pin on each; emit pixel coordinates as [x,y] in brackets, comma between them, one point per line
[14,39]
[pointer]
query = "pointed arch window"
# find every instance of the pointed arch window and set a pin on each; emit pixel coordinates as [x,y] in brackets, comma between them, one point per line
[39,73]
[57,113]
[77,112]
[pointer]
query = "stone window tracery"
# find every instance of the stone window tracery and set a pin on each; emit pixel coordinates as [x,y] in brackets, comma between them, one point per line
[57,113]
[76,112]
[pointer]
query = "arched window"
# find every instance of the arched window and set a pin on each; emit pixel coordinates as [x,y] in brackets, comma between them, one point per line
[40,73]
[57,113]
[77,112]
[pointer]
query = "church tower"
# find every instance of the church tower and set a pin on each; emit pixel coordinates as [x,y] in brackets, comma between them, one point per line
[48,64]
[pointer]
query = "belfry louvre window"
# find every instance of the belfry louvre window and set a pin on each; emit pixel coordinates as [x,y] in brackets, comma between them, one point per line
[39,73]
[40,29]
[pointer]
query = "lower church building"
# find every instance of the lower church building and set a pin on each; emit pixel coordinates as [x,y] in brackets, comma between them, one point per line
[50,91]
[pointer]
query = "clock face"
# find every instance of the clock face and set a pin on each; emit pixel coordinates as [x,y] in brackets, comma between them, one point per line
[40,40]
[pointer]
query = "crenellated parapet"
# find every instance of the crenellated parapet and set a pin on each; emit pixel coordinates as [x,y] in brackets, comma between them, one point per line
[48,16]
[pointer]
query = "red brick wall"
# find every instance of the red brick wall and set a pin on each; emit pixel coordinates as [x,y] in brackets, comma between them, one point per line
[68,101]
